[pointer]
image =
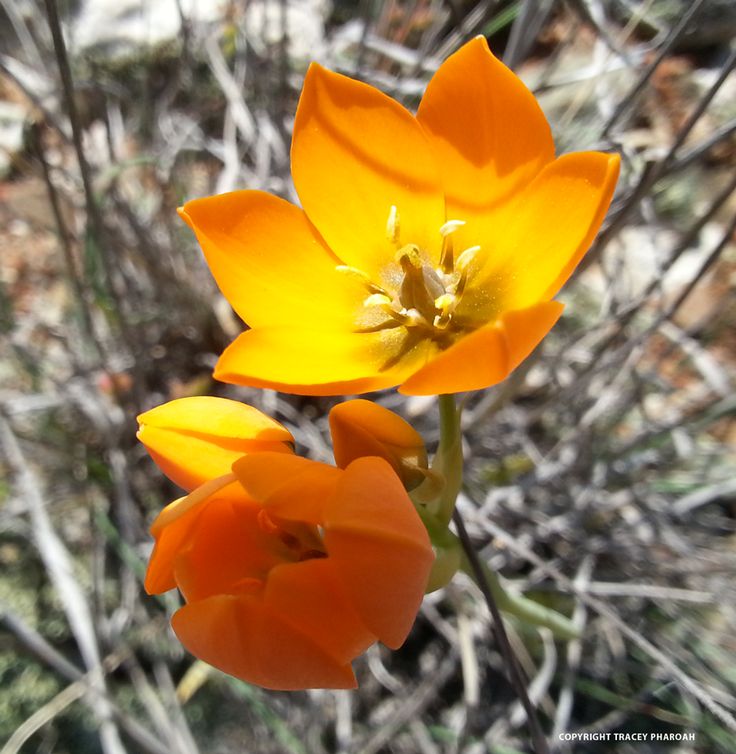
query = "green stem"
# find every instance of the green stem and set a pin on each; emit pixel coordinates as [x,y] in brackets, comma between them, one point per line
[523,608]
[448,460]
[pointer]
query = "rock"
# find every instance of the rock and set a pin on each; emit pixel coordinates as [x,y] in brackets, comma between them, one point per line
[119,27]
[305,26]
[12,123]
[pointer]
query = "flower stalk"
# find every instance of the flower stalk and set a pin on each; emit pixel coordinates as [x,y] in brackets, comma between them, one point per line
[449,458]
[452,553]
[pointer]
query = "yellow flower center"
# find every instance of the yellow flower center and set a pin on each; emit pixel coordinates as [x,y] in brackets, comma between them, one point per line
[418,296]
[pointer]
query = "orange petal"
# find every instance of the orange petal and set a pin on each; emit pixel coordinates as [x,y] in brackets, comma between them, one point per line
[355,153]
[548,229]
[380,548]
[170,541]
[223,487]
[310,597]
[489,134]
[267,259]
[196,439]
[227,547]
[243,637]
[363,428]
[290,487]
[309,362]
[487,355]
[174,527]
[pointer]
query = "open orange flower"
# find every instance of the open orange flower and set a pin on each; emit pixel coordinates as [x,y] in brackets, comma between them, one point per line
[290,568]
[428,249]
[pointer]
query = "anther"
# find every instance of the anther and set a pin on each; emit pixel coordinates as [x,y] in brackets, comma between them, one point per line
[466,257]
[266,524]
[392,225]
[447,252]
[377,299]
[446,302]
[413,317]
[361,276]
[450,227]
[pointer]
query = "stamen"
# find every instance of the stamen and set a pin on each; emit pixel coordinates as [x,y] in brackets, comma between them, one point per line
[420,298]
[389,324]
[466,257]
[447,252]
[386,305]
[450,227]
[459,288]
[377,299]
[441,321]
[393,225]
[446,302]
[362,276]
[463,263]
[447,262]
[399,317]
[413,317]
[266,523]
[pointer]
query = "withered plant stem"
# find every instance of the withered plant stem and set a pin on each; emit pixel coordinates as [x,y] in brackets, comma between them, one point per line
[93,213]
[515,675]
[65,243]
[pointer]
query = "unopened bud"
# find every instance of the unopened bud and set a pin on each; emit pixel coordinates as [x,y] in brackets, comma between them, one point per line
[362,428]
[190,452]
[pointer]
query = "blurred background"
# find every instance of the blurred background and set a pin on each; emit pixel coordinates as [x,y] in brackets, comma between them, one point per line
[600,477]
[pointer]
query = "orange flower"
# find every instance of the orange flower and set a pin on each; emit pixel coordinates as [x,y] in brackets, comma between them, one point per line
[362,428]
[290,568]
[428,249]
[193,440]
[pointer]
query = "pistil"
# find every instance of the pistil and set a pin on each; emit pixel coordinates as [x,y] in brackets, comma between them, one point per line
[420,298]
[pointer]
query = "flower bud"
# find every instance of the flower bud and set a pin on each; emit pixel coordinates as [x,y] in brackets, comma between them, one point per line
[193,440]
[362,428]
